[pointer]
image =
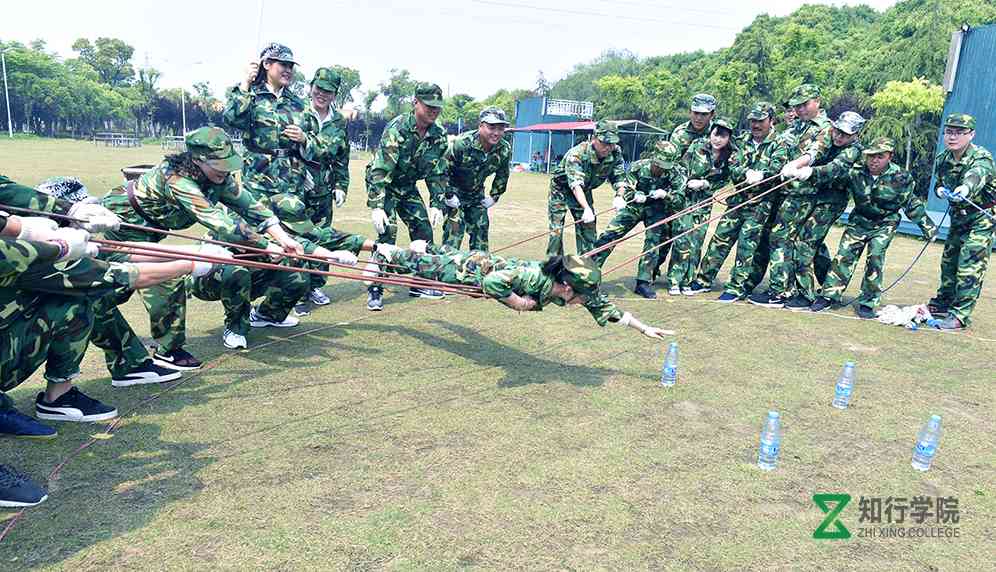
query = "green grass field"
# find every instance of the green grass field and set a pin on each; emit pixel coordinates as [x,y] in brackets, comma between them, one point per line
[459,434]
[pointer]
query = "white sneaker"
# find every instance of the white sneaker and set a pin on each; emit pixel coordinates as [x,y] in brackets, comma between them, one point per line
[233,341]
[258,321]
[674,291]
[318,297]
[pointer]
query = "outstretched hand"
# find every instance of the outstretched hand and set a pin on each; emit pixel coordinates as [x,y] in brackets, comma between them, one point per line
[657,333]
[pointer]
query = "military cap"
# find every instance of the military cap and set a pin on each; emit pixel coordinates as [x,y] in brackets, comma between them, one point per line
[703,103]
[761,110]
[581,274]
[327,79]
[963,120]
[665,154]
[849,122]
[803,93]
[277,52]
[493,115]
[429,94]
[880,145]
[723,122]
[66,188]
[213,146]
[607,132]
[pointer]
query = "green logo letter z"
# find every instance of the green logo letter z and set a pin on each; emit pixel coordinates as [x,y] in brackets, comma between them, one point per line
[840,531]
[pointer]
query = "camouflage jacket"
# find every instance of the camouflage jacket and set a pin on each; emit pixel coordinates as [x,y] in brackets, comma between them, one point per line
[262,116]
[831,166]
[878,200]
[642,180]
[176,201]
[684,135]
[768,157]
[15,195]
[700,163]
[329,164]
[403,157]
[975,170]
[582,167]
[470,165]
[800,135]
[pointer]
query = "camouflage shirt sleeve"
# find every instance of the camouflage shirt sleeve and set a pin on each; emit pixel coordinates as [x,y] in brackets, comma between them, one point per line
[916,211]
[382,165]
[839,167]
[500,183]
[602,310]
[574,168]
[16,255]
[340,168]
[435,179]
[189,197]
[618,175]
[979,175]
[238,109]
[20,196]
[500,283]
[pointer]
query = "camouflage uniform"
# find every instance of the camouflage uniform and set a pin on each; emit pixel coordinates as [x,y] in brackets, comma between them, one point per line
[970,237]
[672,178]
[750,229]
[581,167]
[46,313]
[469,166]
[498,277]
[872,223]
[687,250]
[402,158]
[174,195]
[798,200]
[684,135]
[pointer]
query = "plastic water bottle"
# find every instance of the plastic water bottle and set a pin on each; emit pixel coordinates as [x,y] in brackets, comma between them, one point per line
[926,444]
[669,373]
[845,385]
[771,442]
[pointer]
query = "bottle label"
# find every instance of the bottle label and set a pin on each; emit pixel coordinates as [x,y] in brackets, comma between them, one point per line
[925,449]
[843,390]
[769,449]
[670,371]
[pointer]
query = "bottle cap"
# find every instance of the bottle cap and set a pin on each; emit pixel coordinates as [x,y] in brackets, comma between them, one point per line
[773,414]
[674,344]
[935,418]
[849,364]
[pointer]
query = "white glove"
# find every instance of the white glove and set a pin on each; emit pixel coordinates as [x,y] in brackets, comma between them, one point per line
[419,246]
[37,228]
[95,218]
[452,201]
[386,250]
[698,184]
[487,202]
[754,177]
[201,267]
[276,251]
[379,218]
[588,217]
[639,198]
[959,194]
[76,242]
[804,173]
[618,203]
[344,257]
[788,171]
[941,192]
[340,197]
[436,216]
[215,250]
[658,194]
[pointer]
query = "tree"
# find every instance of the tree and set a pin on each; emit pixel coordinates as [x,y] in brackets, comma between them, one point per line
[350,81]
[111,58]
[902,107]
[542,85]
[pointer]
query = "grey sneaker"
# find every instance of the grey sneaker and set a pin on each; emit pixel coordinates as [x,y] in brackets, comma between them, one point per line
[319,298]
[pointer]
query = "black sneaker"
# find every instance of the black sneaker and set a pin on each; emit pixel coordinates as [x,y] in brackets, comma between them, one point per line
[727,298]
[937,310]
[148,372]
[375,298]
[73,405]
[798,303]
[17,490]
[302,308]
[13,423]
[428,293]
[767,300]
[821,303]
[695,288]
[178,359]
[644,289]
[865,312]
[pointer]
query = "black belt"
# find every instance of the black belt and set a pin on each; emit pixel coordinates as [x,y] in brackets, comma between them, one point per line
[278,153]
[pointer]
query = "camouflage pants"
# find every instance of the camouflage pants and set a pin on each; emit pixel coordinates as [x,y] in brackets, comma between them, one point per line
[852,243]
[625,220]
[559,202]
[785,237]
[687,250]
[470,217]
[964,263]
[237,287]
[56,318]
[319,209]
[812,247]
[753,248]
[407,204]
[445,264]
[723,238]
